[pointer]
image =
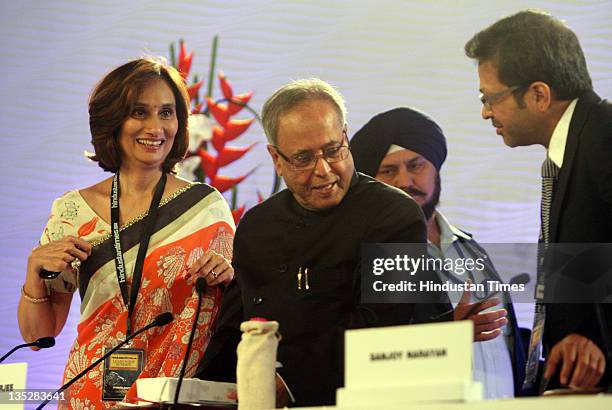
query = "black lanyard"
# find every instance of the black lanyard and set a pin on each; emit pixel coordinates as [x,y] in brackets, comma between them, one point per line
[149,224]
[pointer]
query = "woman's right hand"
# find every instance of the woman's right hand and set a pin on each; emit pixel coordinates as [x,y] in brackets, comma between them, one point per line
[48,316]
[57,256]
[213,267]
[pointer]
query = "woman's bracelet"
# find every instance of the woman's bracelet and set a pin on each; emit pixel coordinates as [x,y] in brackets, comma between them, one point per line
[31,299]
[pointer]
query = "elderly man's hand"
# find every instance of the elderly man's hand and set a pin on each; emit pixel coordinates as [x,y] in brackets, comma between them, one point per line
[487,325]
[581,359]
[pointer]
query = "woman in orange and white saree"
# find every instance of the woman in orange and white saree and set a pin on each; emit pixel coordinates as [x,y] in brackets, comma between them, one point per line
[138,120]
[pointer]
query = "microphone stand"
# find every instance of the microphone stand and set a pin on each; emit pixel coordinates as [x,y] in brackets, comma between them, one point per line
[42,343]
[200,288]
[160,320]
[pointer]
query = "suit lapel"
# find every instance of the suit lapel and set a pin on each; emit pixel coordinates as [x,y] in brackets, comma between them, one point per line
[581,113]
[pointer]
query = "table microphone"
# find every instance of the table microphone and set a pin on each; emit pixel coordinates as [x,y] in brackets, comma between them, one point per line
[161,320]
[200,286]
[43,343]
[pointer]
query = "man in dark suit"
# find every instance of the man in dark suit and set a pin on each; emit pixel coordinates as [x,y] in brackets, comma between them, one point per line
[536,89]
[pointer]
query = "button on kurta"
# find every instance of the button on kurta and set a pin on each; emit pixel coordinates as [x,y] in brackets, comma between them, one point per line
[257,300]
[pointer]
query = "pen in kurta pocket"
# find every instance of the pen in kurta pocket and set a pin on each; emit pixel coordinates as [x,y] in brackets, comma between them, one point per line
[306,275]
[299,278]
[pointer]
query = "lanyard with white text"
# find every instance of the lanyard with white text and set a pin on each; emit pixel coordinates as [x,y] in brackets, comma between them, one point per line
[149,224]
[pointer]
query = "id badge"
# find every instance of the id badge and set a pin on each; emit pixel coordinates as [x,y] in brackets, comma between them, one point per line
[121,369]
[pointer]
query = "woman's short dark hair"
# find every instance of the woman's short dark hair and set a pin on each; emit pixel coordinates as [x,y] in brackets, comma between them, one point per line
[112,102]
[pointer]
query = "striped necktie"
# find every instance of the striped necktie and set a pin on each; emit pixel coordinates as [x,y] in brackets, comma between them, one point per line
[550,172]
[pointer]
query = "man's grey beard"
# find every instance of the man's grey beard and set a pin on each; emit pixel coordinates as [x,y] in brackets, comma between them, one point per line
[428,207]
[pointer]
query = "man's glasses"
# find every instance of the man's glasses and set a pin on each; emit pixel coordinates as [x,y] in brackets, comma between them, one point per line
[491,99]
[307,160]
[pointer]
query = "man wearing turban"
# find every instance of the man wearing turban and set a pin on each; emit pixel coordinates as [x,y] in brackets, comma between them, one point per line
[405,148]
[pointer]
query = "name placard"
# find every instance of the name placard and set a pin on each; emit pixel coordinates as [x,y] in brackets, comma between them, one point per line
[404,354]
[12,385]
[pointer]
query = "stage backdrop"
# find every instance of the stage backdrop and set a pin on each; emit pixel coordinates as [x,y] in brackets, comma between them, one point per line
[380,54]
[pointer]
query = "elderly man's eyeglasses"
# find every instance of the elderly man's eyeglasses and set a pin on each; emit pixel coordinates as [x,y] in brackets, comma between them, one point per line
[491,99]
[307,160]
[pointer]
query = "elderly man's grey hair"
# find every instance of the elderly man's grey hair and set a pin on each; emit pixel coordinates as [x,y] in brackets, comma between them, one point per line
[293,94]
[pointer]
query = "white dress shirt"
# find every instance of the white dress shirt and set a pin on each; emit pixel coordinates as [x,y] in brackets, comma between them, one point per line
[556,146]
[492,364]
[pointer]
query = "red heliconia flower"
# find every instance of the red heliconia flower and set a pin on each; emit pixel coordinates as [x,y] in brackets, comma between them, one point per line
[260,197]
[230,154]
[226,130]
[87,227]
[237,213]
[218,138]
[226,87]
[235,128]
[184,61]
[223,183]
[208,163]
[197,109]
[219,111]
[238,102]
[193,90]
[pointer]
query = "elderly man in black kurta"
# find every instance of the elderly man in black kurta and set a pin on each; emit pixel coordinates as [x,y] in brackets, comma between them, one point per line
[297,254]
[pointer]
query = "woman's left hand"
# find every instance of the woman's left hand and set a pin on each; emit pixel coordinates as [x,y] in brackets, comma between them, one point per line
[213,267]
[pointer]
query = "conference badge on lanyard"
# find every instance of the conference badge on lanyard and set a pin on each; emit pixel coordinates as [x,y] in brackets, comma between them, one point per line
[121,369]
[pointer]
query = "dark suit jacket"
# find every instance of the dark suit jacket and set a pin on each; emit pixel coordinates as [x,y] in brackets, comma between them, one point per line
[581,212]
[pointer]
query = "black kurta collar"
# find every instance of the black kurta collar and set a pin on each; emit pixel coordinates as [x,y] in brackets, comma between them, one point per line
[308,214]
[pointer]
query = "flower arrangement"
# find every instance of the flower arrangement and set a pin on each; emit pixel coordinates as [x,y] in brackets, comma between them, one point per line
[203,164]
